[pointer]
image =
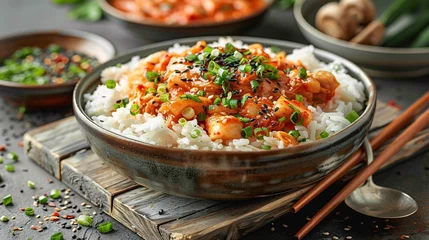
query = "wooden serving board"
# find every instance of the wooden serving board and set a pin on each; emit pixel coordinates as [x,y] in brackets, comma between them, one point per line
[62,150]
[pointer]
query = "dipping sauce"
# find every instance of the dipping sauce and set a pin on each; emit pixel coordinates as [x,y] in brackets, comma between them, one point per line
[189,11]
[51,65]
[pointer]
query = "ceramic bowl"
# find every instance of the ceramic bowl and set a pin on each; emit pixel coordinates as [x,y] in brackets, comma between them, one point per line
[222,175]
[148,29]
[50,95]
[376,61]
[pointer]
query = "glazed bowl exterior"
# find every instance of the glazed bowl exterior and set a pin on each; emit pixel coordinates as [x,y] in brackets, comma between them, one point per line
[375,60]
[222,175]
[159,31]
[50,95]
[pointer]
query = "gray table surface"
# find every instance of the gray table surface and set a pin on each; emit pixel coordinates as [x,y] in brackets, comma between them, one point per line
[30,15]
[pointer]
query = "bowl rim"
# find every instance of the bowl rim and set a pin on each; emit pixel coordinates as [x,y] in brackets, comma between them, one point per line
[297,10]
[362,77]
[66,33]
[108,8]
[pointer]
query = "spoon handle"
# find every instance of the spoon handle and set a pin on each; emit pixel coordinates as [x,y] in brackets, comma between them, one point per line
[369,157]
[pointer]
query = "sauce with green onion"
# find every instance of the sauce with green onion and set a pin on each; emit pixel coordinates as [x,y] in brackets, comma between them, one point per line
[51,65]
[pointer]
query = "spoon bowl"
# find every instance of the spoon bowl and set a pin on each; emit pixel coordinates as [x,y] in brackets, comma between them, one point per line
[380,202]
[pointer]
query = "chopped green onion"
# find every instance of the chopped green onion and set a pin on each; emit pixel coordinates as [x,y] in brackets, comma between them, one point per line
[213,67]
[150,90]
[214,53]
[237,55]
[191,57]
[57,236]
[7,200]
[191,97]
[201,93]
[22,109]
[182,121]
[217,101]
[12,156]
[275,49]
[294,133]
[29,212]
[55,193]
[324,134]
[246,52]
[302,73]
[245,68]
[260,70]
[282,119]
[4,219]
[231,59]
[229,48]
[31,184]
[229,96]
[165,97]
[162,88]
[225,102]
[188,112]
[225,86]
[266,147]
[352,116]
[244,99]
[208,49]
[195,133]
[110,84]
[1,159]
[105,227]
[43,199]
[243,119]
[261,132]
[202,116]
[54,48]
[119,65]
[135,109]
[296,118]
[233,103]
[302,140]
[121,103]
[247,132]
[287,71]
[9,168]
[84,220]
[299,98]
[254,85]
[152,76]
[212,107]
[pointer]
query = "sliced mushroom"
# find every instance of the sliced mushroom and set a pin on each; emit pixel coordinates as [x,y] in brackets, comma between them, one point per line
[362,10]
[331,20]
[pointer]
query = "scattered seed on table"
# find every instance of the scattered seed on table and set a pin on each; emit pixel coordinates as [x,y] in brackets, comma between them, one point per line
[349,237]
[325,233]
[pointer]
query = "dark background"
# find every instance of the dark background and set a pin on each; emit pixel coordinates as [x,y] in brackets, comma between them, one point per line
[18,16]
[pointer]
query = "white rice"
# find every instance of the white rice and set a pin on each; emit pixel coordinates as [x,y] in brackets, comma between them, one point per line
[154,130]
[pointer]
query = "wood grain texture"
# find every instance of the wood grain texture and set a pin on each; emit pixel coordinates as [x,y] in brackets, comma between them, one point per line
[51,143]
[93,179]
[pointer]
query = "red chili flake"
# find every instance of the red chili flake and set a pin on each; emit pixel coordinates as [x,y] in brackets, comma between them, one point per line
[21,144]
[54,219]
[3,147]
[392,103]
[51,204]
[67,216]
[36,227]
[50,180]
[55,214]
[420,230]
[22,209]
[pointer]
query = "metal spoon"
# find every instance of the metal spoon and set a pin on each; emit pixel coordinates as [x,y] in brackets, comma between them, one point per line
[381,202]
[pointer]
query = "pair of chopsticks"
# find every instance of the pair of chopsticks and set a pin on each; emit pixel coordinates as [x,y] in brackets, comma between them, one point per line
[388,132]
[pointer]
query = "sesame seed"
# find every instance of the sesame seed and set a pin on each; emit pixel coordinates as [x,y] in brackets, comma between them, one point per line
[325,233]
[349,237]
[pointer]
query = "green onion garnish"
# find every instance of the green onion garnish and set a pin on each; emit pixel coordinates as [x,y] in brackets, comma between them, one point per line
[162,88]
[225,86]
[243,119]
[135,109]
[43,199]
[105,227]
[275,49]
[191,97]
[266,147]
[302,140]
[245,68]
[201,93]
[182,121]
[110,84]
[352,116]
[191,57]
[237,55]
[57,236]
[233,103]
[302,73]
[29,212]
[244,99]
[296,118]
[246,132]
[31,184]
[9,168]
[150,90]
[261,132]
[188,113]
[1,159]
[55,193]
[208,49]
[152,76]
[213,67]
[195,133]
[4,219]
[165,97]
[84,220]
[225,102]
[217,101]
[229,48]
[299,98]
[282,119]
[294,133]
[202,116]
[324,134]
[211,107]
[254,85]
[7,200]
[12,156]
[260,70]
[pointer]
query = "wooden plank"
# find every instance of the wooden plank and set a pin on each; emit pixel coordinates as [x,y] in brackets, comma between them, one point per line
[93,179]
[51,143]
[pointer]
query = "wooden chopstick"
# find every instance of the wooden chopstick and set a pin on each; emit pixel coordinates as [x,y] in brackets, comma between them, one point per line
[376,142]
[421,122]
